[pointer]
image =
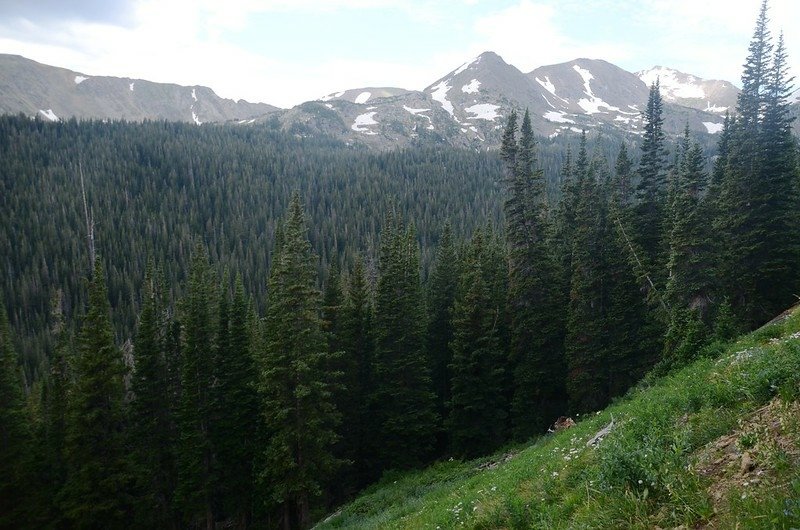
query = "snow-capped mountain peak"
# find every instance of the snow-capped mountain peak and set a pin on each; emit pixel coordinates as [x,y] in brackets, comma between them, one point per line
[686,89]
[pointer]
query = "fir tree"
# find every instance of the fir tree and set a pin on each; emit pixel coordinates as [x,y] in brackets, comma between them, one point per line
[477,406]
[404,400]
[295,390]
[236,412]
[194,454]
[97,491]
[52,432]
[441,294]
[651,194]
[151,423]
[15,435]
[536,329]
[357,427]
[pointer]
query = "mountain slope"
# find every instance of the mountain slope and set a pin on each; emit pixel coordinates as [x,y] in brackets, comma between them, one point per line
[715,445]
[691,91]
[57,93]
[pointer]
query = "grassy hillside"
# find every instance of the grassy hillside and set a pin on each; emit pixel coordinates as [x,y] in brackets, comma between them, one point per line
[716,445]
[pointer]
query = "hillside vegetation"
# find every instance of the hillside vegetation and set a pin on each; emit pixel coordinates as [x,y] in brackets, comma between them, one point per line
[714,445]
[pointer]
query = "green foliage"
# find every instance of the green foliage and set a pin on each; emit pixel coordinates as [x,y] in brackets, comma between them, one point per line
[643,473]
[294,386]
[235,408]
[97,492]
[404,402]
[194,451]
[477,409]
[534,302]
[151,423]
[15,435]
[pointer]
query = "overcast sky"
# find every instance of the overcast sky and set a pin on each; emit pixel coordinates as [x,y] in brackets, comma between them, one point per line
[284,52]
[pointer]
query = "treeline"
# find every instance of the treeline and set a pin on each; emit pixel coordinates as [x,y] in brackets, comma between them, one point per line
[266,405]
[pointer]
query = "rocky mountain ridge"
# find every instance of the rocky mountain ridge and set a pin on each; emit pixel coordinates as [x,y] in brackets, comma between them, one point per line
[467,107]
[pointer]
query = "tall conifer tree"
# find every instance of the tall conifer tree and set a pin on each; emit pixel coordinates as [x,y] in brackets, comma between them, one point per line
[404,399]
[294,386]
[97,491]
[536,330]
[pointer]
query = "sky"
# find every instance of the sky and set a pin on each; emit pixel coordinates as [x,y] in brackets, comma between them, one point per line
[284,52]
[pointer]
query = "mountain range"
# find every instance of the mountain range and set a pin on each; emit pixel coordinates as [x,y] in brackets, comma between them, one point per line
[466,107]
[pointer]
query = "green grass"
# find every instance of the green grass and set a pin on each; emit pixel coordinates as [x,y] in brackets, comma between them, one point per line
[645,473]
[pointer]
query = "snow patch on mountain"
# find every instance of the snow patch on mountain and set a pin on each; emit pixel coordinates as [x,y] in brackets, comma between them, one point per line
[714,108]
[418,112]
[49,114]
[363,121]
[593,103]
[472,87]
[439,93]
[483,111]
[130,86]
[194,94]
[673,84]
[195,118]
[557,117]
[713,128]
[547,84]
[362,98]
[80,79]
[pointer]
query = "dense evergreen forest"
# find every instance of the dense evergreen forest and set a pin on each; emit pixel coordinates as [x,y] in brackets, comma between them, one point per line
[207,326]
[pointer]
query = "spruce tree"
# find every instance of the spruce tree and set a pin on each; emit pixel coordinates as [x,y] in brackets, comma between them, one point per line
[441,294]
[405,405]
[587,365]
[97,491]
[357,429]
[477,408]
[759,200]
[536,328]
[630,355]
[651,200]
[236,410]
[150,417]
[194,452]
[15,434]
[294,388]
[52,432]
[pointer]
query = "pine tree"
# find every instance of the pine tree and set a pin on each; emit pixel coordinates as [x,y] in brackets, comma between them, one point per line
[441,294]
[15,435]
[294,388]
[587,365]
[477,408]
[630,355]
[150,418]
[236,410]
[690,281]
[404,400]
[536,329]
[194,453]
[357,428]
[651,195]
[759,200]
[690,285]
[52,431]
[97,491]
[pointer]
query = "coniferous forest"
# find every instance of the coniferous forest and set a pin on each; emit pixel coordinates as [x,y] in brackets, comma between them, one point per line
[225,326]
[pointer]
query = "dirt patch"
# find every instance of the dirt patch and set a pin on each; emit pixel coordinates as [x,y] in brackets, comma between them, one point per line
[745,461]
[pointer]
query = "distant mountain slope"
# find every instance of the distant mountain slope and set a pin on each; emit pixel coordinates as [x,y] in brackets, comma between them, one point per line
[691,91]
[57,93]
[467,107]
